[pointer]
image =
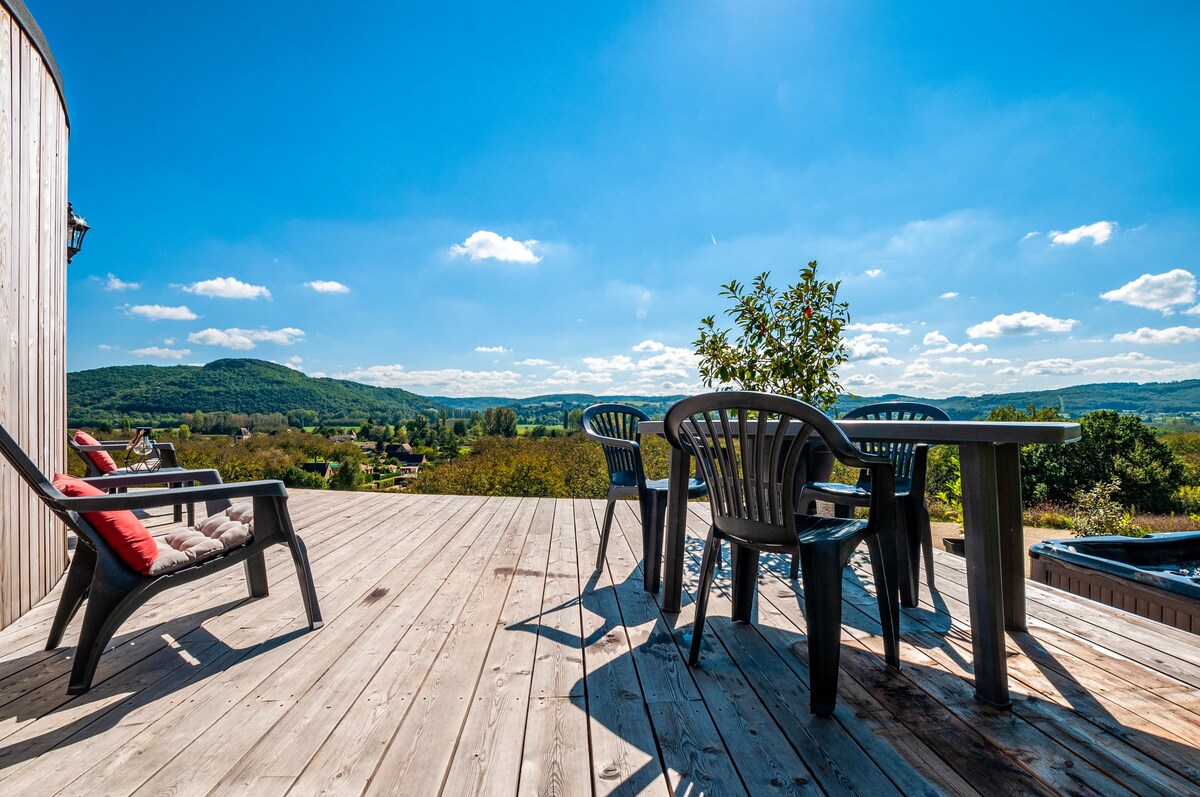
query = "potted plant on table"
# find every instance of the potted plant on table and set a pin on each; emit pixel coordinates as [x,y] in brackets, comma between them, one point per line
[785,341]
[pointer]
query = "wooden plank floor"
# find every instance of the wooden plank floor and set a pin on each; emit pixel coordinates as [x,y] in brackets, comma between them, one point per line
[469,648]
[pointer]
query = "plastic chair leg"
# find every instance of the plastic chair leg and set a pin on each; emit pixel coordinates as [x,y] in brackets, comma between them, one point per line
[922,523]
[75,590]
[604,529]
[107,608]
[308,590]
[653,504]
[889,605]
[821,564]
[712,549]
[256,576]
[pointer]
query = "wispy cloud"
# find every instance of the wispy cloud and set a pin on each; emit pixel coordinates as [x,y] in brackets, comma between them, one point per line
[879,328]
[492,349]
[1145,335]
[1099,232]
[158,312]
[227,288]
[1161,292]
[534,362]
[450,381]
[160,352]
[246,339]
[487,245]
[113,283]
[327,286]
[617,362]
[949,295]
[873,272]
[1022,323]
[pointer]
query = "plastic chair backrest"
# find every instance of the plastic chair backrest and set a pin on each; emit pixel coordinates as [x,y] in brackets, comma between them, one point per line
[751,472]
[902,455]
[616,422]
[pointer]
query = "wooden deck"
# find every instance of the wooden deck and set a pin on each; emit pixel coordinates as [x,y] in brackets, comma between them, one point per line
[469,649]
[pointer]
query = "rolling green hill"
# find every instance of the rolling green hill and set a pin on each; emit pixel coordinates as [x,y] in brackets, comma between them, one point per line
[247,386]
[160,394]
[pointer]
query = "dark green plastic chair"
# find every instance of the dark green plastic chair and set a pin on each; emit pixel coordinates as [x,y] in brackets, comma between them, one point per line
[121,479]
[113,590]
[752,494]
[615,428]
[909,461]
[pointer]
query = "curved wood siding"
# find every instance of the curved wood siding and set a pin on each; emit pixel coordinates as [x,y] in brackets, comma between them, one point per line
[33,263]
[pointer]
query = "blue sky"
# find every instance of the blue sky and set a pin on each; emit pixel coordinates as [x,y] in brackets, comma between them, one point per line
[516,199]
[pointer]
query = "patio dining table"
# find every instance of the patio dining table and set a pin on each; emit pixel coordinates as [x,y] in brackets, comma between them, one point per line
[990,461]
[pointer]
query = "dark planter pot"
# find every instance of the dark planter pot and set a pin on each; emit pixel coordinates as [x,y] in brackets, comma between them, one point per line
[955,545]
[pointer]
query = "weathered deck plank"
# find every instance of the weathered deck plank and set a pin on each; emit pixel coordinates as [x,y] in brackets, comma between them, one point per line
[470,649]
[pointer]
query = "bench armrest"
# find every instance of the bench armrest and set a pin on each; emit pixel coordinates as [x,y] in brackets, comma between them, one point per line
[148,499]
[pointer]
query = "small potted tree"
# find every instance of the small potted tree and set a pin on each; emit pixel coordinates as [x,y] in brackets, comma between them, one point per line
[785,341]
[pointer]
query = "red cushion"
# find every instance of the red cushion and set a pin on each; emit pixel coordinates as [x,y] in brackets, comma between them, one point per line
[121,529]
[100,459]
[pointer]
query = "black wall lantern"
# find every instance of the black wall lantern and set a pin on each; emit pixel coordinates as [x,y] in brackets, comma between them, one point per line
[76,229]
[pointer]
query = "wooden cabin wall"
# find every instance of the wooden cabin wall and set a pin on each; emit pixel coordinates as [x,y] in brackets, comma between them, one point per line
[33,264]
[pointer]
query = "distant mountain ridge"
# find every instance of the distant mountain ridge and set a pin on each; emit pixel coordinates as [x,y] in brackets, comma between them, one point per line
[158,394]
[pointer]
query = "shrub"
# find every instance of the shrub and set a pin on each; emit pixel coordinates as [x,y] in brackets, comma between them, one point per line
[1189,498]
[1096,514]
[787,341]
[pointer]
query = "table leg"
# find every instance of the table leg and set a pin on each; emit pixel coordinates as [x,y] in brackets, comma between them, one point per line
[1012,535]
[675,532]
[985,591]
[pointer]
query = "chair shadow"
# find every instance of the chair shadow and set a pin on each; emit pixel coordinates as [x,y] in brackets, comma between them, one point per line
[115,694]
[918,690]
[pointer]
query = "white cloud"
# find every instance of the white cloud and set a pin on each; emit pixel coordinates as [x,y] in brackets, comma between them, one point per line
[105,347]
[484,245]
[227,288]
[246,339]
[884,361]
[873,272]
[1157,291]
[169,341]
[327,286]
[934,338]
[861,380]
[880,328]
[1022,323]
[669,361]
[865,346]
[492,349]
[1099,232]
[988,362]
[112,283]
[954,360]
[1131,365]
[166,354]
[618,362]
[566,377]
[972,348]
[448,381]
[650,345]
[1145,335]
[158,312]
[1029,235]
[949,295]
[534,362]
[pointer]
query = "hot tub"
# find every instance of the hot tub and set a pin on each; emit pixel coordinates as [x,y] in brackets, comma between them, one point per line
[1156,576]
